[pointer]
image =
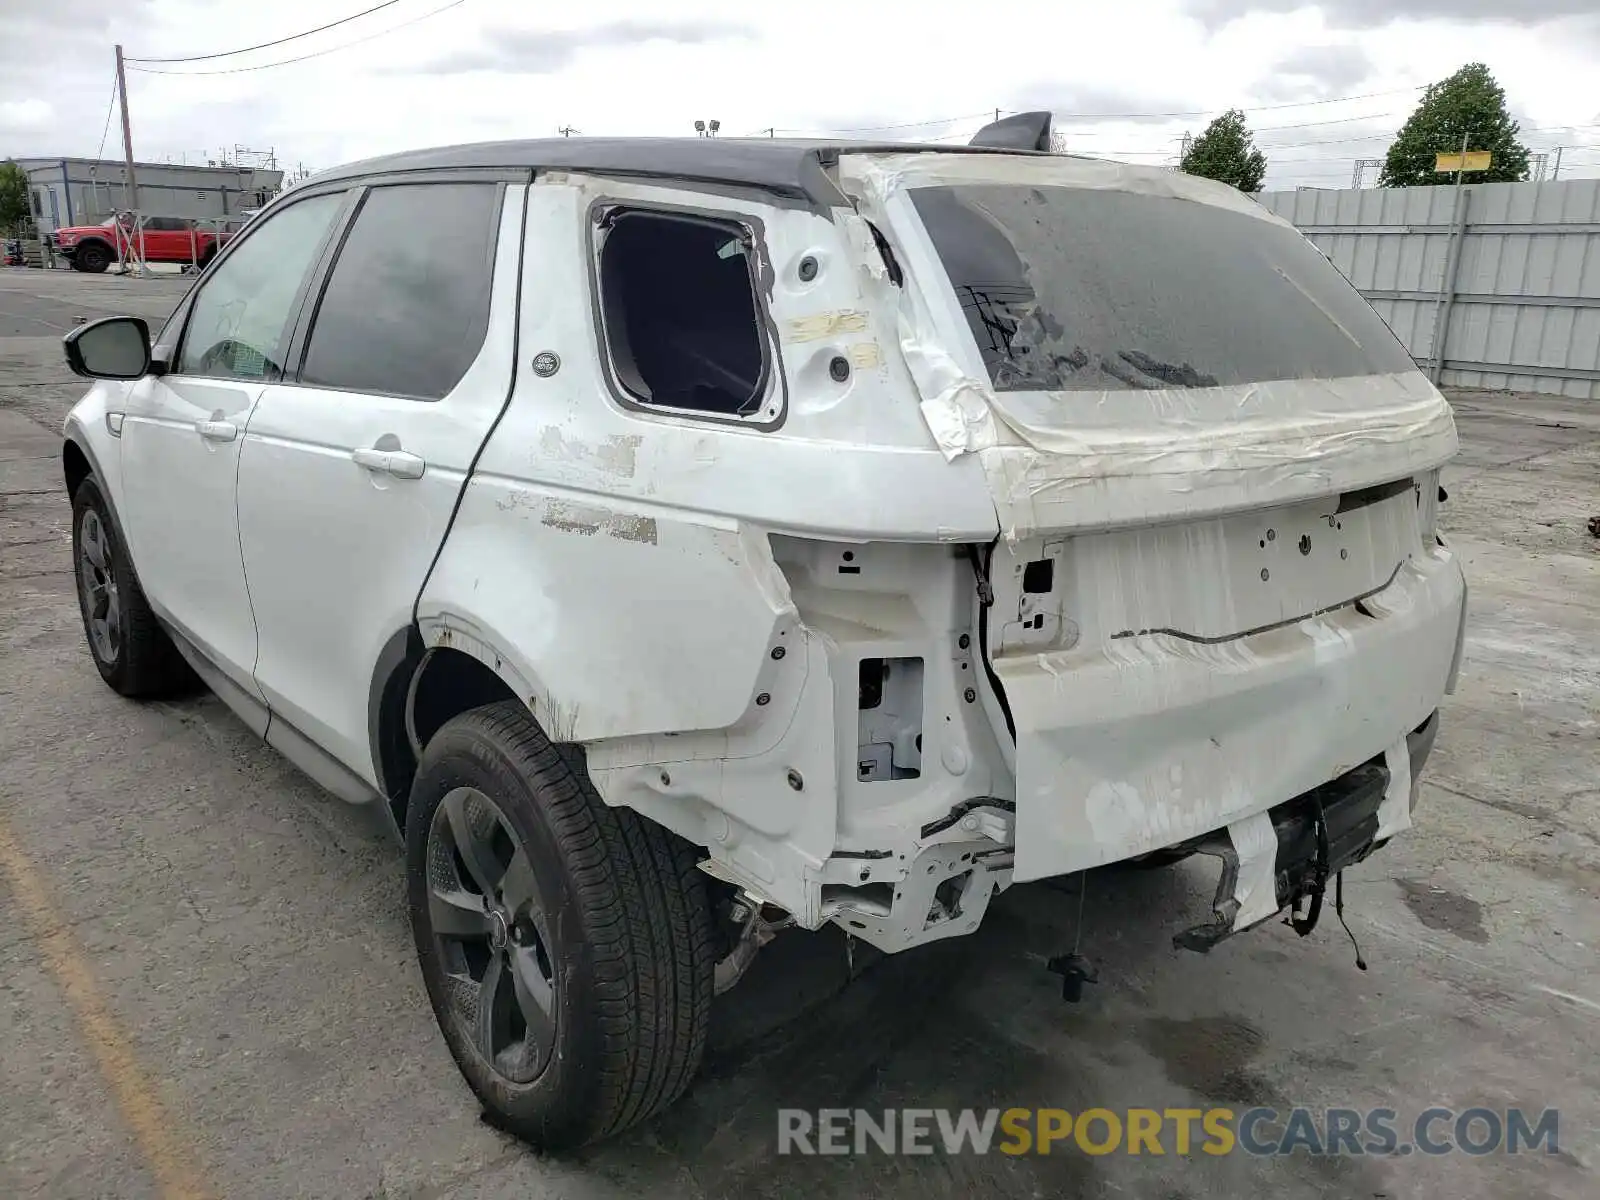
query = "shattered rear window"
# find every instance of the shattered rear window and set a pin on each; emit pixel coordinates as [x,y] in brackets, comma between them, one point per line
[1077,289]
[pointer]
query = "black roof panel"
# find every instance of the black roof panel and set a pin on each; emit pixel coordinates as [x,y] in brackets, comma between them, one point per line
[789,167]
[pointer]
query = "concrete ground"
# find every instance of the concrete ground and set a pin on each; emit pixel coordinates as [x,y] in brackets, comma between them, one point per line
[207,984]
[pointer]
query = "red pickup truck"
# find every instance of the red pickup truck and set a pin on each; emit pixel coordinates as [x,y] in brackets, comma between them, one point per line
[161,240]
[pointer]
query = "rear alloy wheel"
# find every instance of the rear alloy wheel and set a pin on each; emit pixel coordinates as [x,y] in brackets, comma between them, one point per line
[566,946]
[490,933]
[130,649]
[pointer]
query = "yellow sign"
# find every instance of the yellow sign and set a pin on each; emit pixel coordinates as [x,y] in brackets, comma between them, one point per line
[1472,160]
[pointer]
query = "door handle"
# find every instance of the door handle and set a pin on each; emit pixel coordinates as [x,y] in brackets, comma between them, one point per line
[402,464]
[217,431]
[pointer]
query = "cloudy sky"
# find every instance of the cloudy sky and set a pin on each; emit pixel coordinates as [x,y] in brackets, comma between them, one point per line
[1323,83]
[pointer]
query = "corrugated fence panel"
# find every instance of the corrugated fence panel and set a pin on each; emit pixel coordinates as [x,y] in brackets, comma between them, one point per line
[1524,311]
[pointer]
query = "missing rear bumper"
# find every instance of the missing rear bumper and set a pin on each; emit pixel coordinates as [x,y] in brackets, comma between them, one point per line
[1273,860]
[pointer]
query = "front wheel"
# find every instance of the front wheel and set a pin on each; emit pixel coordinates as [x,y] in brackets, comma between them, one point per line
[130,649]
[566,946]
[91,257]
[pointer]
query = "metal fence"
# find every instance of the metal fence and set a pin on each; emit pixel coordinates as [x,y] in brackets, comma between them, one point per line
[1509,272]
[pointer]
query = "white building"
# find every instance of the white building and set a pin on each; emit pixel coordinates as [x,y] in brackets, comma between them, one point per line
[84,191]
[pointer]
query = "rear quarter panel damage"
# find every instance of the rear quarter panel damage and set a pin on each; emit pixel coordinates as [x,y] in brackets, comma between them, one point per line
[624,619]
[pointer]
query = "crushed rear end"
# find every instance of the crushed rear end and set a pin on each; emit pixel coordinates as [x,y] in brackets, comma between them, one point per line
[1219,616]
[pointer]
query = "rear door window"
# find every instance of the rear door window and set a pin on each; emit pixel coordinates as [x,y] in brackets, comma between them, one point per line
[406,308]
[1078,289]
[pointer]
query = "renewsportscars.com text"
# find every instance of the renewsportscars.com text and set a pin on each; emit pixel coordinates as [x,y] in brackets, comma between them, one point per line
[1262,1132]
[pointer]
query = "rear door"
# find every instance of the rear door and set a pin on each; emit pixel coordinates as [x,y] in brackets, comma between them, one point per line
[162,237]
[352,463]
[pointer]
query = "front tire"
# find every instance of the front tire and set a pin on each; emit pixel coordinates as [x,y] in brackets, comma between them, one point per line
[566,946]
[91,257]
[130,649]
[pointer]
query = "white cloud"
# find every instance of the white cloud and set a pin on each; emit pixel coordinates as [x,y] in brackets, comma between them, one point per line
[25,116]
[1368,13]
[880,68]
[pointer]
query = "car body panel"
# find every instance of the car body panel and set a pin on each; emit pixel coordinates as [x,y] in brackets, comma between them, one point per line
[574,490]
[318,645]
[178,506]
[1147,741]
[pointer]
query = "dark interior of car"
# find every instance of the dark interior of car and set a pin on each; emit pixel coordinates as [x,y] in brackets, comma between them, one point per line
[680,313]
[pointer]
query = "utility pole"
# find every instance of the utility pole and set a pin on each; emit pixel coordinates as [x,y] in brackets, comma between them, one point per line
[1452,263]
[132,191]
[1555,172]
[567,130]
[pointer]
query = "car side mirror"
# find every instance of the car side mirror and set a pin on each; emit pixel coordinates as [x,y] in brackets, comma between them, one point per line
[111,348]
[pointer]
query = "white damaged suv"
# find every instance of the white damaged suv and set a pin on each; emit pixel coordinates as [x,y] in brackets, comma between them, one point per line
[682,540]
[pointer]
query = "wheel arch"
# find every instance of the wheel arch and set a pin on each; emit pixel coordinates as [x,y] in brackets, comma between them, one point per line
[76,466]
[99,243]
[79,462]
[415,689]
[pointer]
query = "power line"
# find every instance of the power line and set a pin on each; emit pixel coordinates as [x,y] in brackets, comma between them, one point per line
[111,107]
[1273,147]
[879,128]
[293,37]
[1204,112]
[1139,116]
[305,57]
[1385,116]
[1274,128]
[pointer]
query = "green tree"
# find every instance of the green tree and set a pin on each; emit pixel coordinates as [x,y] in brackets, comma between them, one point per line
[14,208]
[1226,152]
[1470,105]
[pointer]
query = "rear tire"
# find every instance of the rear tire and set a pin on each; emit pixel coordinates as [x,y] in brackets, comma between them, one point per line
[566,946]
[132,652]
[91,257]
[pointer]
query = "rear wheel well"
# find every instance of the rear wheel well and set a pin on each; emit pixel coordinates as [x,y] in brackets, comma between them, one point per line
[438,685]
[75,467]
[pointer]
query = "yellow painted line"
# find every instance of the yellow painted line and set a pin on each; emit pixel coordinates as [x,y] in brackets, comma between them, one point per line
[177,1175]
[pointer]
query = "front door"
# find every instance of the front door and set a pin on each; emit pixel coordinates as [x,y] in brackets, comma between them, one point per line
[183,429]
[353,462]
